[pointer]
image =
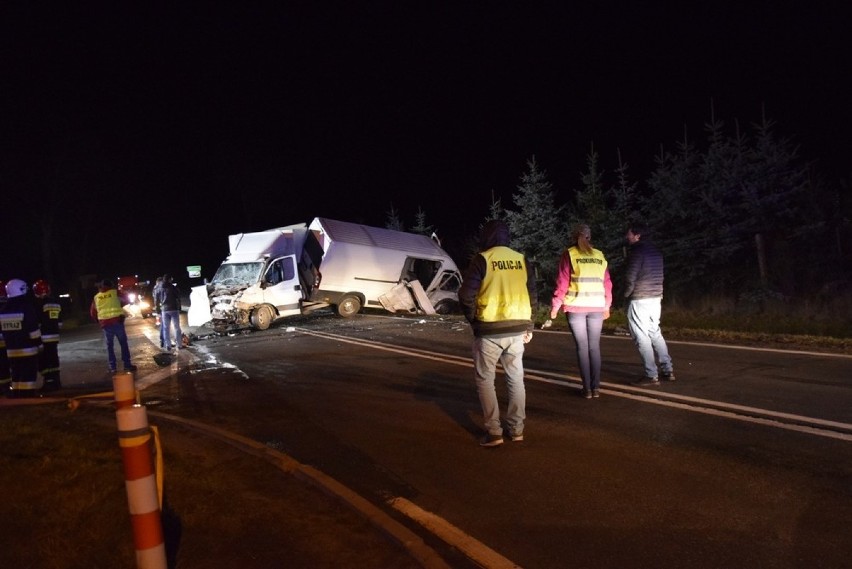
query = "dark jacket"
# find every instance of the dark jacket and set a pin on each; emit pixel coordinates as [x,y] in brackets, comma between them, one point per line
[493,235]
[168,299]
[22,333]
[48,309]
[644,273]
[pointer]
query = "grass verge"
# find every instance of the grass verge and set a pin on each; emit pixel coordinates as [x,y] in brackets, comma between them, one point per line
[66,506]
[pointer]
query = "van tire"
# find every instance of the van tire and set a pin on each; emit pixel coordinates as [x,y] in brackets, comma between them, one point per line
[446,307]
[261,317]
[348,306]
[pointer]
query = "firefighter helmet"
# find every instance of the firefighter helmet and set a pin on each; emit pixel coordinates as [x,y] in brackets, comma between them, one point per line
[16,287]
[41,288]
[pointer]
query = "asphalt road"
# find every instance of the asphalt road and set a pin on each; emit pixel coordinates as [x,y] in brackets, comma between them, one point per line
[746,460]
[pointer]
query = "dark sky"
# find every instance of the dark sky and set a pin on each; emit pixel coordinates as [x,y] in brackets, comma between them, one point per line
[167,128]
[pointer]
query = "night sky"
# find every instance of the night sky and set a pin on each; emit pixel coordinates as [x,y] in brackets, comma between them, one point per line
[151,133]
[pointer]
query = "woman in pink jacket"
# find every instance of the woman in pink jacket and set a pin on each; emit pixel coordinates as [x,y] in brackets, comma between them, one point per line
[584,292]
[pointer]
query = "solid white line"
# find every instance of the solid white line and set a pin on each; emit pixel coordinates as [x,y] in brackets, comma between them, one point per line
[642,391]
[705,406]
[731,415]
[406,538]
[682,342]
[474,549]
[720,346]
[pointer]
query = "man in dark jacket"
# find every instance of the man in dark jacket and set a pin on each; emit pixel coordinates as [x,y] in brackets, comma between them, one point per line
[169,301]
[644,290]
[497,297]
[21,331]
[158,287]
[49,309]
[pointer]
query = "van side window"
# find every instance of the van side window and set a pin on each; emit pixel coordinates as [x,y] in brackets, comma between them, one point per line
[450,281]
[280,270]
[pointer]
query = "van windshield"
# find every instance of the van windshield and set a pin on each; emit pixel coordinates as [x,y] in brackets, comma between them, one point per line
[234,274]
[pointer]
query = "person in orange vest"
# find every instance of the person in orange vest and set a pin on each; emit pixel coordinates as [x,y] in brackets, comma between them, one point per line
[48,309]
[21,332]
[5,376]
[106,309]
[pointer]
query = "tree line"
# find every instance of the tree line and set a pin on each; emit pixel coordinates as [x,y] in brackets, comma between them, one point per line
[737,213]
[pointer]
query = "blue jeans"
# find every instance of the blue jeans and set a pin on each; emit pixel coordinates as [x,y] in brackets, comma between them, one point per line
[510,352]
[171,318]
[643,319]
[586,328]
[162,330]
[111,333]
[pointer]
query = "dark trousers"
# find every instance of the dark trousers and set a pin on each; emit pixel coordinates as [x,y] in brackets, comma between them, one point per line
[49,365]
[24,370]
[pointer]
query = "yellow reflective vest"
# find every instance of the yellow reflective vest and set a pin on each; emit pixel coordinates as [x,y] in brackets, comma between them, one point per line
[108,305]
[503,294]
[588,271]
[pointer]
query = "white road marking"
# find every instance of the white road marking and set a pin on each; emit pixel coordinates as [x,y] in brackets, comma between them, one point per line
[474,549]
[478,552]
[720,346]
[755,415]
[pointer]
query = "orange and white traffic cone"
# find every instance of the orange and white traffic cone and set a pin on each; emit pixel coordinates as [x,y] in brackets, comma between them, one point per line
[134,436]
[124,389]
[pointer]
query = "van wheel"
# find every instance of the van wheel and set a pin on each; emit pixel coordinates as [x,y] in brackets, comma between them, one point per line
[446,307]
[348,306]
[261,317]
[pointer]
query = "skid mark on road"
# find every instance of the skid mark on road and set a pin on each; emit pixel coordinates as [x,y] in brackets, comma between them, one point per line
[755,415]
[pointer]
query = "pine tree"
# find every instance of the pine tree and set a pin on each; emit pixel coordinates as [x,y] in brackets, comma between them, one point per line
[669,211]
[420,226]
[777,205]
[392,220]
[723,215]
[591,203]
[624,192]
[495,210]
[537,226]
[610,235]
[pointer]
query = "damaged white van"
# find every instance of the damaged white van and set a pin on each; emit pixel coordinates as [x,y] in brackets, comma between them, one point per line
[298,268]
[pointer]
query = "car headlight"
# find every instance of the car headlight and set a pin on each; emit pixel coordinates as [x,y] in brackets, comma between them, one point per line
[131,297]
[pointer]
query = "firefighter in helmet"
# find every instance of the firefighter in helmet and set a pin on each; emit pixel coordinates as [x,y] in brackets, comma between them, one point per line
[5,376]
[48,309]
[20,325]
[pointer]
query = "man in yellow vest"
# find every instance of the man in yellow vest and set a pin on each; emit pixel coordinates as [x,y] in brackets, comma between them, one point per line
[497,297]
[106,309]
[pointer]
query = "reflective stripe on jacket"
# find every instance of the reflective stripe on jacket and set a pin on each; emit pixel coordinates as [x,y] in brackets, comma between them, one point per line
[21,332]
[588,271]
[503,294]
[49,312]
[108,305]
